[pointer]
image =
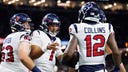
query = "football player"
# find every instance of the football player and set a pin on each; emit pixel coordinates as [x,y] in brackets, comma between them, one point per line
[40,43]
[10,60]
[103,19]
[108,50]
[91,35]
[50,25]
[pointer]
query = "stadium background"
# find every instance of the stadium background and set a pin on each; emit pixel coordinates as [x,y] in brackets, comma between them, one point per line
[116,12]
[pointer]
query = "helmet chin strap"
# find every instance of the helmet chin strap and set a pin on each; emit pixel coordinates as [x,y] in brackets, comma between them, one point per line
[28,30]
[52,34]
[92,19]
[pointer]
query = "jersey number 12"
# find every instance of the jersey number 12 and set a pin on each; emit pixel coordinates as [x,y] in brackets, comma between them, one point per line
[93,50]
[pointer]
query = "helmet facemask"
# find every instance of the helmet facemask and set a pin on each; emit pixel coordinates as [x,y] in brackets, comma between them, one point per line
[17,27]
[53,29]
[18,21]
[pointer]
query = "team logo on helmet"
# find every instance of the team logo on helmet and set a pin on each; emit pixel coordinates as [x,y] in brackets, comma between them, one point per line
[89,11]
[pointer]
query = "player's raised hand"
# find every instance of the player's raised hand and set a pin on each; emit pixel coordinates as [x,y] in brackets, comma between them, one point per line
[52,46]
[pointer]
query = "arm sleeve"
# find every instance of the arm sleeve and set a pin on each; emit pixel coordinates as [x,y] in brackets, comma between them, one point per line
[25,37]
[111,28]
[36,39]
[72,29]
[40,39]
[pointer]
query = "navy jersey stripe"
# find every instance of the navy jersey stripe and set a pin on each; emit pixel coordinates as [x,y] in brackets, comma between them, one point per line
[53,39]
[109,27]
[24,34]
[75,26]
[38,32]
[21,36]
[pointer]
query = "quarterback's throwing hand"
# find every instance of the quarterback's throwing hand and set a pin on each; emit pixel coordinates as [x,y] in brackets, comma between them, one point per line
[52,46]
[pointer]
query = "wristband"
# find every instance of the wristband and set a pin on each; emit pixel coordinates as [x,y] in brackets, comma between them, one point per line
[117,67]
[35,69]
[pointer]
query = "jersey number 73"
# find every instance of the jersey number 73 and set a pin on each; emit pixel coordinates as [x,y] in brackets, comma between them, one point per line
[9,52]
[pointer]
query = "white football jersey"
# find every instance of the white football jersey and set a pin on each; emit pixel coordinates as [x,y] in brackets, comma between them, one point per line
[9,52]
[47,61]
[91,41]
[40,39]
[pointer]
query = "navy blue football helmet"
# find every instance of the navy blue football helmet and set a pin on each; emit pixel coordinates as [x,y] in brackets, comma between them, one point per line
[89,11]
[50,19]
[103,18]
[17,20]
